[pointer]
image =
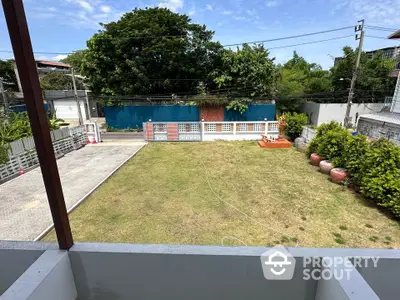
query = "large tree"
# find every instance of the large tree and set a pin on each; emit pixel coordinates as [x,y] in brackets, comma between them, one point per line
[373,82]
[150,51]
[59,81]
[247,72]
[75,60]
[300,79]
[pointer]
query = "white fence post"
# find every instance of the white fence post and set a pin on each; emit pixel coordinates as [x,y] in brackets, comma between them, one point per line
[202,129]
[234,128]
[266,127]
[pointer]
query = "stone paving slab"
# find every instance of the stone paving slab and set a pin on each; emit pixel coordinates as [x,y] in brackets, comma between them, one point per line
[24,210]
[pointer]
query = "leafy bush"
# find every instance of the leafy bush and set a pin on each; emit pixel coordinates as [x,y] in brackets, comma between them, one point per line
[241,105]
[353,157]
[380,173]
[332,144]
[3,153]
[320,131]
[294,124]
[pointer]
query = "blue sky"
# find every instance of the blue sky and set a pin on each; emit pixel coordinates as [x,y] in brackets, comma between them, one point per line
[65,25]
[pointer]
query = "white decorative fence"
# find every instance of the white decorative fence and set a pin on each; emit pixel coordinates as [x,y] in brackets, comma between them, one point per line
[209,131]
[22,154]
[238,131]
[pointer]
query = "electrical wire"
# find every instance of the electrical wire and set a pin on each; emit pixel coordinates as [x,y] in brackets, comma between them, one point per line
[289,37]
[229,45]
[312,42]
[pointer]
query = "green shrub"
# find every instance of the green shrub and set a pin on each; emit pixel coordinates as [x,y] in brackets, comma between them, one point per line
[294,124]
[320,132]
[3,153]
[380,175]
[353,157]
[332,144]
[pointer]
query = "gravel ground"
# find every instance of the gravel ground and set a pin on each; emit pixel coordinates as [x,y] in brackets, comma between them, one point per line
[24,210]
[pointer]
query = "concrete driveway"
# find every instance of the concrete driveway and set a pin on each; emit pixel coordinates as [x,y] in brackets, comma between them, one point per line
[24,210]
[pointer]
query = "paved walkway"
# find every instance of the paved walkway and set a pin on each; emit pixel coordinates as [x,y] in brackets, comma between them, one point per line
[24,210]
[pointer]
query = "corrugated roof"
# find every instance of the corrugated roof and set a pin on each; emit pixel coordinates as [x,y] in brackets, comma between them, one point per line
[395,35]
[387,117]
[53,63]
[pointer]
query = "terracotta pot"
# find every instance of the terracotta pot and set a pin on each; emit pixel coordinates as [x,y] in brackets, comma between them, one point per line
[316,159]
[338,175]
[325,166]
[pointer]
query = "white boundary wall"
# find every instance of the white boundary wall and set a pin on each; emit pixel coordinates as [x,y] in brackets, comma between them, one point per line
[319,113]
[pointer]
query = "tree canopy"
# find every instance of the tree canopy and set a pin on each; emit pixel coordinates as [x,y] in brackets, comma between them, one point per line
[150,51]
[75,60]
[7,74]
[59,81]
[248,71]
[373,82]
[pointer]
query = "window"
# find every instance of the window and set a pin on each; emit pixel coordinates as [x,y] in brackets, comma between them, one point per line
[226,127]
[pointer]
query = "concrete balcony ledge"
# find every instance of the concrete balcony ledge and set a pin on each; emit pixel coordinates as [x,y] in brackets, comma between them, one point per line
[129,271]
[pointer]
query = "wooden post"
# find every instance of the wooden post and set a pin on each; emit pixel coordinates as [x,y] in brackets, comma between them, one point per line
[23,53]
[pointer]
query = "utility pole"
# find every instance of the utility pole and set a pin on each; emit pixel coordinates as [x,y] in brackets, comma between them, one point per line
[76,97]
[360,37]
[4,95]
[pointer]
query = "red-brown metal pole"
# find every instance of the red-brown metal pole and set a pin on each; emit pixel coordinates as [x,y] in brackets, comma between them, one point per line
[22,46]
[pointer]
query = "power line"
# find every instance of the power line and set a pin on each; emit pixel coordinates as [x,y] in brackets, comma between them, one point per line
[312,42]
[230,45]
[380,28]
[290,37]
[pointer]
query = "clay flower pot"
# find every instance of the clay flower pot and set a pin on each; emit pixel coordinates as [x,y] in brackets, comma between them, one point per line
[325,166]
[338,175]
[316,159]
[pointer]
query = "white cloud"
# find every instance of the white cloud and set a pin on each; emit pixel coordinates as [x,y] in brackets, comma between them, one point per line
[173,5]
[192,12]
[85,5]
[209,7]
[272,3]
[251,12]
[378,12]
[240,18]
[227,12]
[105,9]
[59,57]
[53,9]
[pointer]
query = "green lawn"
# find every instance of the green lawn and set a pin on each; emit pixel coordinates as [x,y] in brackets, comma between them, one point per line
[229,193]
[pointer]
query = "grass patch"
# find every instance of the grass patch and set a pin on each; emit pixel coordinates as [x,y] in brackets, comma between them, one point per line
[340,241]
[369,225]
[191,193]
[373,238]
[343,227]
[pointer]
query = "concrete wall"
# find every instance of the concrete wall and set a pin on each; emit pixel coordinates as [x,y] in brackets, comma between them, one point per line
[320,113]
[16,258]
[179,272]
[384,279]
[49,277]
[311,109]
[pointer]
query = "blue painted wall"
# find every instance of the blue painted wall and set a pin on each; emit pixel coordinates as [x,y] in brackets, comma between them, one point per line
[133,116]
[22,108]
[123,117]
[256,112]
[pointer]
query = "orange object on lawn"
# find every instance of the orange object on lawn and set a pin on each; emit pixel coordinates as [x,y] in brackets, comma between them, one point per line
[316,159]
[338,175]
